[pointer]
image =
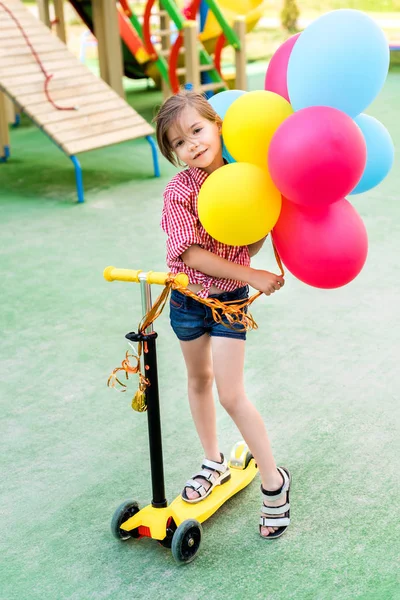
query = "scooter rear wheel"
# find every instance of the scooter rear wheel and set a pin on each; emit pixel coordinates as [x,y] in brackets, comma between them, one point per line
[125,511]
[240,456]
[186,541]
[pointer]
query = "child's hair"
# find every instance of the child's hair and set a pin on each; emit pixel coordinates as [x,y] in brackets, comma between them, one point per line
[171,110]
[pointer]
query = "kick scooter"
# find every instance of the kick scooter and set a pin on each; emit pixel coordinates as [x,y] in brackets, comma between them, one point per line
[178,525]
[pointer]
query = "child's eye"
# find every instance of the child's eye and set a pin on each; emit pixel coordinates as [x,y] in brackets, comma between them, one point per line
[198,129]
[179,144]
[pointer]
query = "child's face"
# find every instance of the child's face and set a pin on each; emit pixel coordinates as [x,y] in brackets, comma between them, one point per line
[196,141]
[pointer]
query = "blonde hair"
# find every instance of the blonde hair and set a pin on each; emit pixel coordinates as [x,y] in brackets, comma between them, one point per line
[170,112]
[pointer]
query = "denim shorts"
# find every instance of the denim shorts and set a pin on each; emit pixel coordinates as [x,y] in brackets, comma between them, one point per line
[191,319]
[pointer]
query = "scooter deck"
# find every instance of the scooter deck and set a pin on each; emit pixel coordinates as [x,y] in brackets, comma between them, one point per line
[156,519]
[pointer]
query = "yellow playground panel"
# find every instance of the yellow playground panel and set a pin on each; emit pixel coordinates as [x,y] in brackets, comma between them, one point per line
[252,10]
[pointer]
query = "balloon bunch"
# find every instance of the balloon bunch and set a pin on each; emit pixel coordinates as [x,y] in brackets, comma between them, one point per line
[301,146]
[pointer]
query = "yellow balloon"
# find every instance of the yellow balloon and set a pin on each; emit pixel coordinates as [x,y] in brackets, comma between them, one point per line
[238,204]
[250,122]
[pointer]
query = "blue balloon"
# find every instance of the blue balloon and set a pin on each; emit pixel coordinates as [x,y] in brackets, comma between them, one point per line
[226,154]
[222,101]
[380,153]
[340,60]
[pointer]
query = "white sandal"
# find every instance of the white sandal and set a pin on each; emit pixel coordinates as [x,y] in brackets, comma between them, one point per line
[217,474]
[270,521]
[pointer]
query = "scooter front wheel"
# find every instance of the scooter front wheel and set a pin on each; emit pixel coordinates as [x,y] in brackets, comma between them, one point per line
[186,541]
[125,511]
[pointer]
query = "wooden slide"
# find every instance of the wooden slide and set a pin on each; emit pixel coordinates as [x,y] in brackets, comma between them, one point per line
[100,118]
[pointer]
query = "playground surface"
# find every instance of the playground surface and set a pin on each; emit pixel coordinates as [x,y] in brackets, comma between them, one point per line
[322,369]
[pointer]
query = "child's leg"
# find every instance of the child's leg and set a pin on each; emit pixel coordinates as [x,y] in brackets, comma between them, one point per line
[197,355]
[228,363]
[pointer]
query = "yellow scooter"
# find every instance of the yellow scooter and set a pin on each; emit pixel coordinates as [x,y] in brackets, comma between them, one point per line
[177,526]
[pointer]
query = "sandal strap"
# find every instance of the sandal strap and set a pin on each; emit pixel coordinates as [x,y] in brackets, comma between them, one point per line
[275,522]
[210,476]
[210,472]
[220,467]
[196,486]
[275,510]
[277,494]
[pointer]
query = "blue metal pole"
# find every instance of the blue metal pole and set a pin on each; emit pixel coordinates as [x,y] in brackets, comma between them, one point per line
[155,156]
[205,77]
[6,154]
[78,178]
[203,15]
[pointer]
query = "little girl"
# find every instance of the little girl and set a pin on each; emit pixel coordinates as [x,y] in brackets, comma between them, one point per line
[189,134]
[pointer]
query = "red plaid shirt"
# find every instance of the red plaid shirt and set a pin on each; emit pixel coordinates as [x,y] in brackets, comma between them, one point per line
[180,221]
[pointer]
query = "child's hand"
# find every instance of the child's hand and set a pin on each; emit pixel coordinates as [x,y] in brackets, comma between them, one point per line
[266,282]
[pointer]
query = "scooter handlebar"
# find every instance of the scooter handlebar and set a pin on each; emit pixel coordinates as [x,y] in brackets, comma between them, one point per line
[152,277]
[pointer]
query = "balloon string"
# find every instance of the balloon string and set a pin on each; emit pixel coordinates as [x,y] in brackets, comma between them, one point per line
[277,257]
[233,310]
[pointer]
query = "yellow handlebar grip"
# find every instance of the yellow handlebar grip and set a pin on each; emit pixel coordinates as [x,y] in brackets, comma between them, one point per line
[182,279]
[158,278]
[161,278]
[114,274]
[152,277]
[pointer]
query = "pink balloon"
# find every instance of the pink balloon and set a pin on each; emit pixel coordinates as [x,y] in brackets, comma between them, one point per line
[325,247]
[317,156]
[276,76]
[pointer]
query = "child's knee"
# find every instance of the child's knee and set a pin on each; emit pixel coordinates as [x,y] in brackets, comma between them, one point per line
[232,401]
[201,382]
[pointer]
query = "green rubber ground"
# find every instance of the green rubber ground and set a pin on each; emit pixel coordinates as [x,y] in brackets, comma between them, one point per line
[322,369]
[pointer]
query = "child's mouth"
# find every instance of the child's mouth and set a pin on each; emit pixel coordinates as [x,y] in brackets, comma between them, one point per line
[200,154]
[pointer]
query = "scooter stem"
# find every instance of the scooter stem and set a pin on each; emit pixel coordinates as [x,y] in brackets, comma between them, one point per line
[148,337]
[153,401]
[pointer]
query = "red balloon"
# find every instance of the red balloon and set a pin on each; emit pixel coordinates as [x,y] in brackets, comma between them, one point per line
[276,75]
[325,247]
[317,156]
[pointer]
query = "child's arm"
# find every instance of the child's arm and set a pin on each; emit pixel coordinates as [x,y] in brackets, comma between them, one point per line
[216,266]
[256,247]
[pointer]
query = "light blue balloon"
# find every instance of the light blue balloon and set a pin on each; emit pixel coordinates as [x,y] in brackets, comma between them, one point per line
[226,154]
[340,60]
[380,153]
[222,101]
